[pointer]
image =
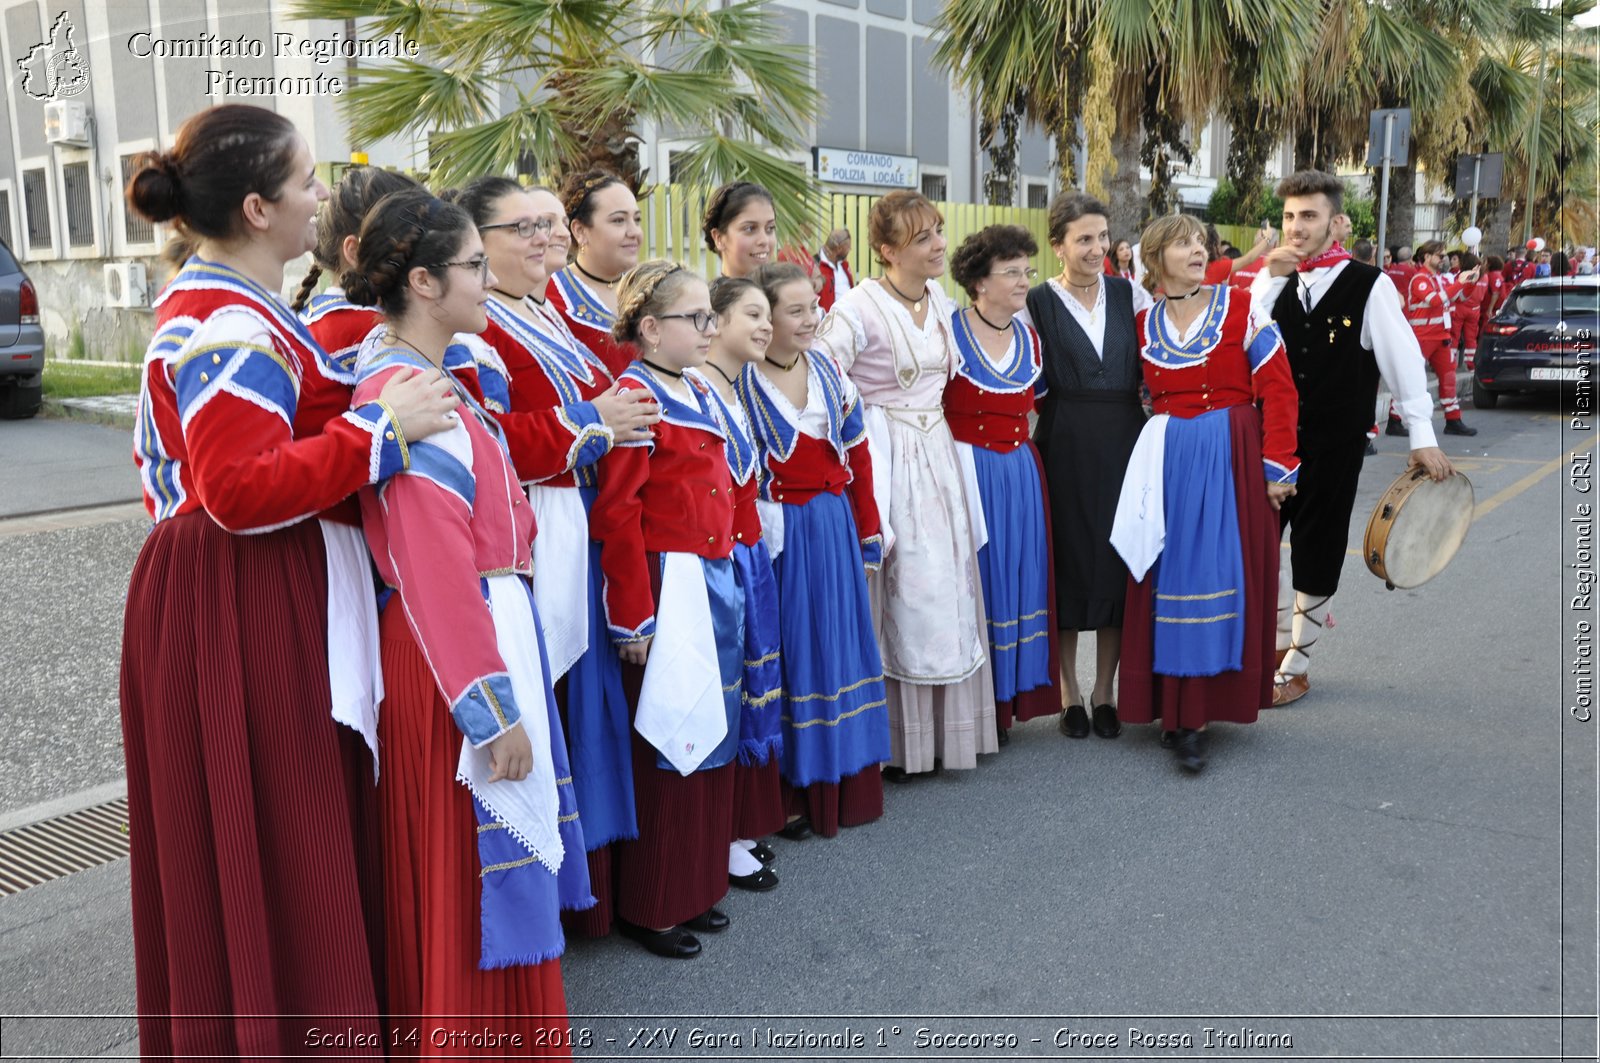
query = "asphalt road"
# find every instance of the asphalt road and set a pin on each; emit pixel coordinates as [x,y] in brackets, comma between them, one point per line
[48,464]
[1411,849]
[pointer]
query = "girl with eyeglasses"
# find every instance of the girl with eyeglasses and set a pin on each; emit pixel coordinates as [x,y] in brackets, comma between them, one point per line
[744,327]
[997,383]
[254,869]
[524,235]
[605,221]
[482,841]
[821,524]
[665,521]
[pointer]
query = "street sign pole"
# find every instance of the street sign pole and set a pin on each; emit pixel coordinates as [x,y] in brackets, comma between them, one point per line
[1383,201]
[1477,170]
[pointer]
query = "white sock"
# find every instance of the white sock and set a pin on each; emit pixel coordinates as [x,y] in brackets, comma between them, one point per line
[1309,611]
[741,862]
[744,843]
[1285,602]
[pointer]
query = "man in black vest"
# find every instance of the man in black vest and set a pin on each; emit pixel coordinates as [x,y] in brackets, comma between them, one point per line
[1343,328]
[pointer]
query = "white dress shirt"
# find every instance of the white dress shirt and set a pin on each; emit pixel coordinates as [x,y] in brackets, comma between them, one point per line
[1384,331]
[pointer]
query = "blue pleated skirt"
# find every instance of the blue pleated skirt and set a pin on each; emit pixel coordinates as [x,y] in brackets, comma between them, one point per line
[760,729]
[1015,569]
[835,718]
[598,728]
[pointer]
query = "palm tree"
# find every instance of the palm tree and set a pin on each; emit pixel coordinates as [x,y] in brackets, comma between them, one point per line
[571,83]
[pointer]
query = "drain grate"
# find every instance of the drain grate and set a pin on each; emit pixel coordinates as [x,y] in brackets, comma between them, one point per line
[57,847]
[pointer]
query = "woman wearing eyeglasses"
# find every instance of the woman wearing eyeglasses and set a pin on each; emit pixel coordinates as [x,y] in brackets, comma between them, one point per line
[606,235]
[665,521]
[525,235]
[998,378]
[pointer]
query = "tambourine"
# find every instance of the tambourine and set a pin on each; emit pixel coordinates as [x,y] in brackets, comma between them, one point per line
[1416,528]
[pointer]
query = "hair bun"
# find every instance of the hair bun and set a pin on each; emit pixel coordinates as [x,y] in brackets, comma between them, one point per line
[358,289]
[156,188]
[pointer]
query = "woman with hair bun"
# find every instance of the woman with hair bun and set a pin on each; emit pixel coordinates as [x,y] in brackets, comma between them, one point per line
[741,227]
[821,519]
[475,874]
[665,521]
[999,377]
[339,325]
[892,336]
[605,221]
[525,235]
[254,867]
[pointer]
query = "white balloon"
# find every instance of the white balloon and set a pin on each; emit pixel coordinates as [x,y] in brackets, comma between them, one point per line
[1538,243]
[1472,237]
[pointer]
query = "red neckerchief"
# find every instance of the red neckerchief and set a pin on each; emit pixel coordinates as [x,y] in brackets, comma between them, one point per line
[1331,257]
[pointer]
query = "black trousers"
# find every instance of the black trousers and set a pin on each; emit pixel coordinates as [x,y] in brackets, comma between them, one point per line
[1318,516]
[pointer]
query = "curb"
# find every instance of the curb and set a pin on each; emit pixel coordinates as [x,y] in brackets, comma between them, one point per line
[61,806]
[59,410]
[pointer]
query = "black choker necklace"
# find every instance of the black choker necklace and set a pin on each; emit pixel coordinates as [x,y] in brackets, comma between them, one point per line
[508,295]
[674,374]
[598,280]
[720,373]
[1186,295]
[916,302]
[1086,288]
[998,328]
[780,365]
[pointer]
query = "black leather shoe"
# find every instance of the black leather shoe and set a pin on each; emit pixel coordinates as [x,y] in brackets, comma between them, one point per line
[1004,735]
[711,921]
[1395,428]
[794,831]
[756,882]
[1075,722]
[1459,428]
[895,775]
[1169,739]
[1191,750]
[1371,450]
[1106,724]
[675,943]
[765,853]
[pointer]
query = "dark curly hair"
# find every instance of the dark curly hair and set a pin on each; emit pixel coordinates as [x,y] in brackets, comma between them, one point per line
[979,252]
[341,216]
[726,204]
[403,230]
[1311,183]
[219,157]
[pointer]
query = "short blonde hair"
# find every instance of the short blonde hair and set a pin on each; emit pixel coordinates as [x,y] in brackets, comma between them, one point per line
[1162,234]
[897,218]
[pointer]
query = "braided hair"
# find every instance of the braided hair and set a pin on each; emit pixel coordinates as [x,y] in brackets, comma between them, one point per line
[403,231]
[578,191]
[647,290]
[726,204]
[341,216]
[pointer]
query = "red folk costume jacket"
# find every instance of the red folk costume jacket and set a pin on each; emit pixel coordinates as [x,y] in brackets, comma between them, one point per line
[986,406]
[340,326]
[673,494]
[589,319]
[243,414]
[1225,363]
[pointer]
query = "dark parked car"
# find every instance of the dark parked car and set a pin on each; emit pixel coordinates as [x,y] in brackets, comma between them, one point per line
[1541,340]
[21,342]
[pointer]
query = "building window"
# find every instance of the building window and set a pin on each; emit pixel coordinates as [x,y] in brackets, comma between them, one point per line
[80,208]
[36,203]
[5,219]
[935,186]
[1038,195]
[135,230]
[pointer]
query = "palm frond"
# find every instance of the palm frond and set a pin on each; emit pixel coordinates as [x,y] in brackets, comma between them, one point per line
[493,147]
[409,95]
[714,159]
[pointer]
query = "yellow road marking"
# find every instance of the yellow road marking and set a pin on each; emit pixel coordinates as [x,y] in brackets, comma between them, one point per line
[1506,494]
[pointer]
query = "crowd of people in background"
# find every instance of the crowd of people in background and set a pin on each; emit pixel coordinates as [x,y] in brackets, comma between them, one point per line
[513,587]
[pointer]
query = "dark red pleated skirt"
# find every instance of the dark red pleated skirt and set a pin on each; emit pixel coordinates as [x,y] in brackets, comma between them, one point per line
[850,802]
[1046,700]
[431,895]
[255,878]
[1231,697]
[758,805]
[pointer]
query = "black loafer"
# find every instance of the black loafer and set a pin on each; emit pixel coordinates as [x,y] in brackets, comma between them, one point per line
[1395,428]
[1004,735]
[896,775]
[1169,739]
[1459,428]
[1106,724]
[794,831]
[1191,750]
[1075,722]
[764,852]
[675,943]
[756,882]
[711,921]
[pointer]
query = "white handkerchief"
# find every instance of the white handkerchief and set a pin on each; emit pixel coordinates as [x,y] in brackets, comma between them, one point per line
[681,711]
[355,677]
[1140,528]
[561,574]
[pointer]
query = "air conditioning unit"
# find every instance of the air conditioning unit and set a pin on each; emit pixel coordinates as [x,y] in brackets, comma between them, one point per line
[66,122]
[125,284]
